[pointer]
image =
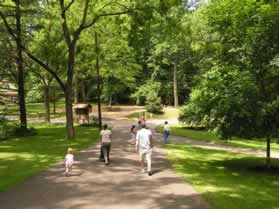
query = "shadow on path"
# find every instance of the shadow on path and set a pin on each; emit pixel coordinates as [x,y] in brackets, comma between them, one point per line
[117,186]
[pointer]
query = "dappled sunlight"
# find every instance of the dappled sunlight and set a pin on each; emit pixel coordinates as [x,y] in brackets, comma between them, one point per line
[225,178]
[22,157]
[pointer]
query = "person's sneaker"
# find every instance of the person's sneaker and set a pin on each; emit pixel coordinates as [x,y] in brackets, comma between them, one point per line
[149,173]
[142,170]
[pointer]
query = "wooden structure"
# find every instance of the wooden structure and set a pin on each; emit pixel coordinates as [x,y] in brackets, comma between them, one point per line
[8,92]
[82,112]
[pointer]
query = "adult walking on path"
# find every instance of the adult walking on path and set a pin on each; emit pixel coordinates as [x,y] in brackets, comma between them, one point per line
[144,147]
[118,186]
[106,143]
[166,132]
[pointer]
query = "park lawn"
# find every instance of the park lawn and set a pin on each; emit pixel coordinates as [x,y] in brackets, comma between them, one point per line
[256,144]
[23,157]
[36,110]
[226,180]
[167,113]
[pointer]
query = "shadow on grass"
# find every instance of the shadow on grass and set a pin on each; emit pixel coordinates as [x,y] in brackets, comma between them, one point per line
[101,186]
[21,157]
[227,179]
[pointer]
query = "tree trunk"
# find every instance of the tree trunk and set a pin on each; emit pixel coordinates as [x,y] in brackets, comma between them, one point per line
[110,100]
[76,99]
[175,93]
[47,106]
[54,101]
[83,94]
[98,81]
[20,71]
[68,93]
[268,152]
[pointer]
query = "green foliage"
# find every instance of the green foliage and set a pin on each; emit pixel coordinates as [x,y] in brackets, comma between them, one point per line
[143,91]
[238,92]
[153,102]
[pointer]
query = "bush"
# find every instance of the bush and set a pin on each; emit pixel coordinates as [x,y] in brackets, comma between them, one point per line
[153,102]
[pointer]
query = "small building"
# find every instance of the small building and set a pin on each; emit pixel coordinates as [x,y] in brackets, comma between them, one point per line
[8,92]
[82,112]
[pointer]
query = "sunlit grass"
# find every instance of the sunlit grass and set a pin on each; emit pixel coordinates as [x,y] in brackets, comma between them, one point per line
[23,157]
[226,180]
[168,112]
[204,135]
[36,110]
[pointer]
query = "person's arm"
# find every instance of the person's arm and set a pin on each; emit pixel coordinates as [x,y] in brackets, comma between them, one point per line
[100,135]
[151,140]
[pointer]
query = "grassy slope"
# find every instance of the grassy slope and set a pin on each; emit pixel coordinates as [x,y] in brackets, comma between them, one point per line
[210,137]
[225,179]
[23,157]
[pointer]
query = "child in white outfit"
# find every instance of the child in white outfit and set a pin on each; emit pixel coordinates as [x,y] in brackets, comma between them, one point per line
[69,161]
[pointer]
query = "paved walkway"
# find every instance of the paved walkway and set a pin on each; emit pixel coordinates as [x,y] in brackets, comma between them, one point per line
[117,186]
[210,145]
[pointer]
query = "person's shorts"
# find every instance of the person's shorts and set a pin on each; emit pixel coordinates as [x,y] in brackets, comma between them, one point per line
[69,164]
[145,153]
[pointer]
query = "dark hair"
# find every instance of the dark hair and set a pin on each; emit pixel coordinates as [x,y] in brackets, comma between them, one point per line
[166,122]
[105,126]
[139,122]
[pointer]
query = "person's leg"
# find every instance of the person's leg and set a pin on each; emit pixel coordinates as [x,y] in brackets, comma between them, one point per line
[101,157]
[108,153]
[105,152]
[66,170]
[165,137]
[141,155]
[70,168]
[149,162]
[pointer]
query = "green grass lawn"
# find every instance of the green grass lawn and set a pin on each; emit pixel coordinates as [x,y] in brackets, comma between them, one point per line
[36,110]
[23,157]
[226,180]
[211,137]
[167,113]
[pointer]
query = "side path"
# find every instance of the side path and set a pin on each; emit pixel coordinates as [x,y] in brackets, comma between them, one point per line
[209,145]
[117,186]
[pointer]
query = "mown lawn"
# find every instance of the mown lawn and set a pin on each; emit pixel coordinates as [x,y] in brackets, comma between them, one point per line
[36,110]
[23,157]
[211,137]
[226,180]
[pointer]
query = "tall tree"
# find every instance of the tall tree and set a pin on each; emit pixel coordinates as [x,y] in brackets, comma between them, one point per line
[12,9]
[237,95]
[79,23]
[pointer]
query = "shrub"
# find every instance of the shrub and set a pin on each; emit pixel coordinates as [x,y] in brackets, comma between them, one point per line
[153,102]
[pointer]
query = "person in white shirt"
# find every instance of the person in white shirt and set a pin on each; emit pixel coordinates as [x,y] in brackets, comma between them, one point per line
[144,147]
[69,161]
[106,143]
[166,132]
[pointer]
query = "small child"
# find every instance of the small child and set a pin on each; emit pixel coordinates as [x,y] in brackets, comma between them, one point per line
[133,134]
[69,161]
